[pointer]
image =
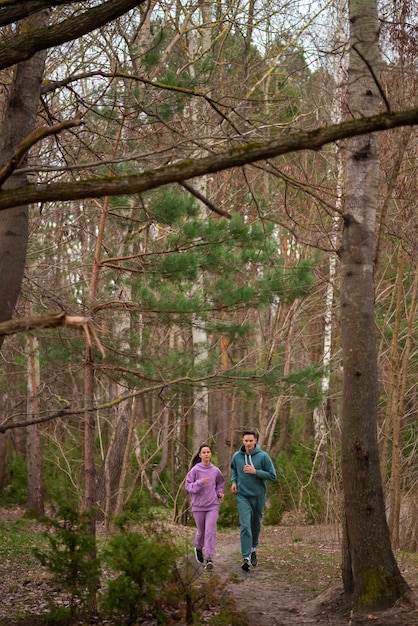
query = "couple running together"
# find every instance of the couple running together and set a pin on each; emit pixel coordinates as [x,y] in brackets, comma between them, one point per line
[250,468]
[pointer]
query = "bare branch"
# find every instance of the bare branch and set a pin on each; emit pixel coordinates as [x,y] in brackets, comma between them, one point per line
[205,201]
[7,424]
[373,74]
[22,324]
[86,325]
[52,320]
[37,135]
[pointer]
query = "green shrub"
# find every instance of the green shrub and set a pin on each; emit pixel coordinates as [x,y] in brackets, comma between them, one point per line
[274,509]
[142,573]
[140,504]
[71,556]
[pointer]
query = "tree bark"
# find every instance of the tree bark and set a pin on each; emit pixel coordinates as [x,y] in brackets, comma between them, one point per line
[3,441]
[15,11]
[27,43]
[109,478]
[19,120]
[376,579]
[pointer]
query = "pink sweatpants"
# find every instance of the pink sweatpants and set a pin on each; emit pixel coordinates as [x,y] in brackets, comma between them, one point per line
[206,524]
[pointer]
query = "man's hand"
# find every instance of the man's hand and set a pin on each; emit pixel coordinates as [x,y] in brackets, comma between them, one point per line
[250,469]
[234,489]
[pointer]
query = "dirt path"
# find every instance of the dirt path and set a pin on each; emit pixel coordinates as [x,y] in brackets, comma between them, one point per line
[268,594]
[265,601]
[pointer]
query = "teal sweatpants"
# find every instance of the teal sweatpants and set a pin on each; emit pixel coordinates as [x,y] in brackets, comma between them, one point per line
[250,511]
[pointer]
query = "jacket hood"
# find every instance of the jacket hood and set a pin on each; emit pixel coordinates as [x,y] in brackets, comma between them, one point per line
[256,449]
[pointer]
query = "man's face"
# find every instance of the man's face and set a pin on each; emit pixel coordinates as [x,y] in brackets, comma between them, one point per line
[249,442]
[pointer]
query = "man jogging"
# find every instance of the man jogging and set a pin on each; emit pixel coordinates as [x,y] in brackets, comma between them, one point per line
[251,467]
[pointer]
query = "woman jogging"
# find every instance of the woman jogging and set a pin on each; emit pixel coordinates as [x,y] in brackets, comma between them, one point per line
[205,483]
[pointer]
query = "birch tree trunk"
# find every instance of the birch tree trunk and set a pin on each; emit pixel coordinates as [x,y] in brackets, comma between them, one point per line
[370,571]
[33,439]
[340,73]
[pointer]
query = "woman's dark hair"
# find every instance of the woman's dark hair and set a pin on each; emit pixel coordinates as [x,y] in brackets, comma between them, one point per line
[196,459]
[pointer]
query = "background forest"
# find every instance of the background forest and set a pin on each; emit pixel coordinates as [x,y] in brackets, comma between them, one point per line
[215,301]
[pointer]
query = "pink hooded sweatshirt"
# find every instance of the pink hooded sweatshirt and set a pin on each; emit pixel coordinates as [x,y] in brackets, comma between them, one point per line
[205,496]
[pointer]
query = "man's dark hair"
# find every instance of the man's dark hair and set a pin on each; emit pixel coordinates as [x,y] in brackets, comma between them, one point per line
[250,431]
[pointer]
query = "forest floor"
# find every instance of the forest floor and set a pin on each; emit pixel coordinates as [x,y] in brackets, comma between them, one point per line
[296,582]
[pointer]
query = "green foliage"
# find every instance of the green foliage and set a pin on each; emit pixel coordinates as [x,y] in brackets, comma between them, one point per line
[15,490]
[58,615]
[64,485]
[141,504]
[153,54]
[166,206]
[238,262]
[275,507]
[175,99]
[305,382]
[71,556]
[143,572]
[228,512]
[55,351]
[294,489]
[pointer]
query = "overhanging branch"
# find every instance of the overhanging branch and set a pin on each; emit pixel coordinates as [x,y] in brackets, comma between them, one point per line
[52,320]
[24,45]
[184,170]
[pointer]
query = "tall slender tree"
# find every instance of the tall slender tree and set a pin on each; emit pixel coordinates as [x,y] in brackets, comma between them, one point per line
[370,570]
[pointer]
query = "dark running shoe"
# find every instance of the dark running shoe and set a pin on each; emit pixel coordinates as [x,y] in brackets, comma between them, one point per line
[253,558]
[199,555]
[246,565]
[209,564]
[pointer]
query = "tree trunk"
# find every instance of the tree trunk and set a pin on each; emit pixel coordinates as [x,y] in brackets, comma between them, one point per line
[199,46]
[34,452]
[109,479]
[340,75]
[90,498]
[3,441]
[19,120]
[164,437]
[376,579]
